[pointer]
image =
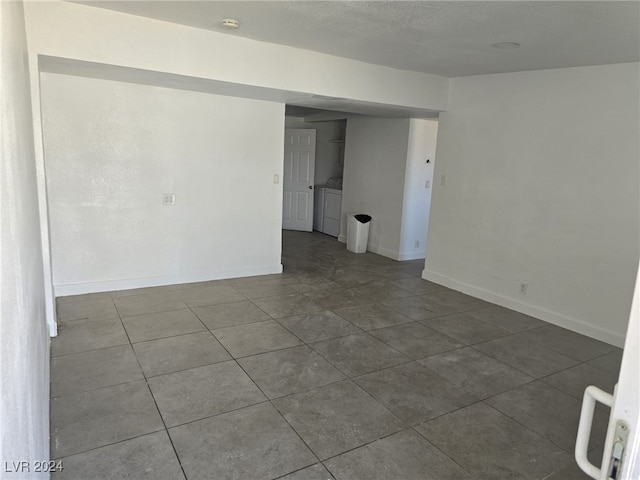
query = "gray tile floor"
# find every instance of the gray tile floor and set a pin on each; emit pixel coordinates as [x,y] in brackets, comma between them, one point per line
[345,366]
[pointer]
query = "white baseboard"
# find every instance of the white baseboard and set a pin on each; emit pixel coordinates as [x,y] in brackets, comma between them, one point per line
[385,252]
[435,277]
[541,313]
[129,283]
[415,255]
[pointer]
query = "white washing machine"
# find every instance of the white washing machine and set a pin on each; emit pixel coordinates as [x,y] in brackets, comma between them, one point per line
[328,209]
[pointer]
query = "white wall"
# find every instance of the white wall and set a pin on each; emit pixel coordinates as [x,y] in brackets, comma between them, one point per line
[417,197]
[542,186]
[112,149]
[24,356]
[81,32]
[293,122]
[329,154]
[374,175]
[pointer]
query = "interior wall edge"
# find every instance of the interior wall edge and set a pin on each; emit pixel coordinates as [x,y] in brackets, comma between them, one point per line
[555,318]
[411,255]
[24,356]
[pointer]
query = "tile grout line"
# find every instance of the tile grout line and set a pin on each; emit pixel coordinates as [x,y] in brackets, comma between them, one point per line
[155,403]
[570,453]
[265,395]
[62,355]
[462,467]
[280,413]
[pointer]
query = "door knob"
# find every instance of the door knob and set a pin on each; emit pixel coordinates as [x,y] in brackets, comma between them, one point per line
[310,187]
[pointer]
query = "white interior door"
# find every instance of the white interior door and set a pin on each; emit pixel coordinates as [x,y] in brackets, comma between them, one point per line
[621,458]
[297,184]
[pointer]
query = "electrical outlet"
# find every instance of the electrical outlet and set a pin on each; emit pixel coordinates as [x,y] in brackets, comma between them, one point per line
[168,199]
[523,288]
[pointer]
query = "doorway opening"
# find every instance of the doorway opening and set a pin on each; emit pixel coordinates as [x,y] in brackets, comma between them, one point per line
[312,180]
[387,164]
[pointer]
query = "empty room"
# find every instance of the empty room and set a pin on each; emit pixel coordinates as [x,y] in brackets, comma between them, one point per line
[320,240]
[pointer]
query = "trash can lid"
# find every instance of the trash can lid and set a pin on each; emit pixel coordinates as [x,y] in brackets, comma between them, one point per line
[363,218]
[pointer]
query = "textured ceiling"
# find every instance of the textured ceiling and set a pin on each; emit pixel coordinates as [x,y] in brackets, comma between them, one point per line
[449,38]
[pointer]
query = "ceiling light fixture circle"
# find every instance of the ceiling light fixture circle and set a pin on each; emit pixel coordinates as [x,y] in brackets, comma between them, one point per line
[505,45]
[231,23]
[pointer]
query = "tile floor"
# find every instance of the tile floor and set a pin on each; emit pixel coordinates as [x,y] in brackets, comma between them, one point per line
[345,366]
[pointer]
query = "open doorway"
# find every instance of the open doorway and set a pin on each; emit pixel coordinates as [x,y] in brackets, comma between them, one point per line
[387,164]
[324,180]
